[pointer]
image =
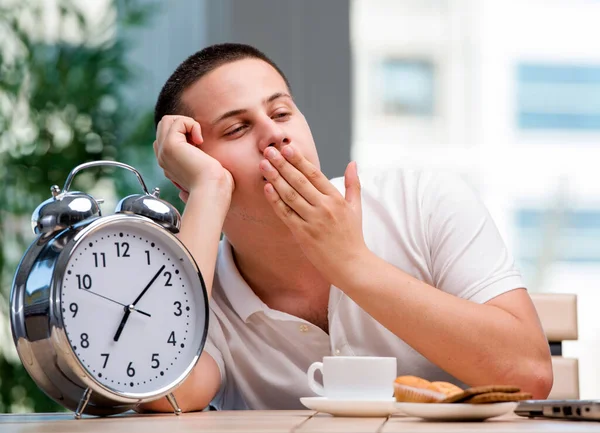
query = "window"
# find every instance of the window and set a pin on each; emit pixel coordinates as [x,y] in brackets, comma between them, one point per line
[407,87]
[558,97]
[567,236]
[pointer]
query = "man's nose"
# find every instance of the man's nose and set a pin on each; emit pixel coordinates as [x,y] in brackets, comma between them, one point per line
[274,136]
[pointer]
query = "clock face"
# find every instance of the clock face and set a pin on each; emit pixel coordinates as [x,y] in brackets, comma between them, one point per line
[133,307]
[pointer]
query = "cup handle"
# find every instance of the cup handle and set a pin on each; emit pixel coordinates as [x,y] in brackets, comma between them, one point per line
[314,385]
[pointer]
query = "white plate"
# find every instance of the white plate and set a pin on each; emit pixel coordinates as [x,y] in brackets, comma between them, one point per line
[456,411]
[350,407]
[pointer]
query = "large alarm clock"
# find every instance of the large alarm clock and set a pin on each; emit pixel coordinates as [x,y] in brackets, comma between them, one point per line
[108,312]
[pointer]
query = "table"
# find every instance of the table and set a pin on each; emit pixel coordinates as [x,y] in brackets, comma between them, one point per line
[275,421]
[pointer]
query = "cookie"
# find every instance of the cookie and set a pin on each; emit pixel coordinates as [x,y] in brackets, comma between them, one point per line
[498,397]
[470,392]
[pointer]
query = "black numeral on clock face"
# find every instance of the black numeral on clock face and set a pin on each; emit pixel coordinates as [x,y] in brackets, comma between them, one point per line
[106,355]
[168,275]
[84,282]
[122,249]
[85,343]
[155,361]
[172,338]
[178,311]
[102,261]
[130,370]
[74,308]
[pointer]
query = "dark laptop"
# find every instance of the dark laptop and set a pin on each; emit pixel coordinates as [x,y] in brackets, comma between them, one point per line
[565,409]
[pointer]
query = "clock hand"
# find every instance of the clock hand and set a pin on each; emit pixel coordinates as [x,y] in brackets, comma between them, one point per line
[122,324]
[117,302]
[148,285]
[132,306]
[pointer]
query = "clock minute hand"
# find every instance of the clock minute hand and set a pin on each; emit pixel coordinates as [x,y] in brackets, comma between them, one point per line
[148,285]
[131,307]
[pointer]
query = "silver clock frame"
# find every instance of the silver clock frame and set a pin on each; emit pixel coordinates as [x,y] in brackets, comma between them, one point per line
[39,333]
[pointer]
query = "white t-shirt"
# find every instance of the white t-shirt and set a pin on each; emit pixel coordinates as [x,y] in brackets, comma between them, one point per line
[430,225]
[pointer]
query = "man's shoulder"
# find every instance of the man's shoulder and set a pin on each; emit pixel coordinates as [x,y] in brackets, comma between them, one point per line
[401,182]
[393,181]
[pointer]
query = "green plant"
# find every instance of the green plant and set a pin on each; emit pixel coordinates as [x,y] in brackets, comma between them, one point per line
[62,76]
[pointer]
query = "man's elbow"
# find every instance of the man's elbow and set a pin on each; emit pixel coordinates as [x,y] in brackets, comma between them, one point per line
[531,373]
[539,378]
[542,385]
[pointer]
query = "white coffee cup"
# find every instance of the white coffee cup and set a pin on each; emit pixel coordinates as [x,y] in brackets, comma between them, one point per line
[354,377]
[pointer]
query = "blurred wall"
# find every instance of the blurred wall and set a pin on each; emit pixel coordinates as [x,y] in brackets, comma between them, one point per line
[309,40]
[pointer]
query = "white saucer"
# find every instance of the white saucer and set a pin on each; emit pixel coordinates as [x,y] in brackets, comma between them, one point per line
[455,411]
[375,408]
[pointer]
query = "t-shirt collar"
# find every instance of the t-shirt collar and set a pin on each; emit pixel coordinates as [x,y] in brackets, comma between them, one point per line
[242,298]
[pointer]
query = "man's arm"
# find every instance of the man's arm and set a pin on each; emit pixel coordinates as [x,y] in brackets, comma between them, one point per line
[499,342]
[204,381]
[207,189]
[201,227]
[197,391]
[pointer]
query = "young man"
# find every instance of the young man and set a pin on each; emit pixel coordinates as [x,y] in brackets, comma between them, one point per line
[408,265]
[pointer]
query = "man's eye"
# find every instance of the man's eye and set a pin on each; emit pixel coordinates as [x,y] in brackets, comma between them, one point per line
[236,130]
[282,115]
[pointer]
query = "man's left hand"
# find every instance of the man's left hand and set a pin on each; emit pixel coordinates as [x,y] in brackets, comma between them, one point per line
[327,225]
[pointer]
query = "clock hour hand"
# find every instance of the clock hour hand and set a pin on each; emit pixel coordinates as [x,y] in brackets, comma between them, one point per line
[122,324]
[131,307]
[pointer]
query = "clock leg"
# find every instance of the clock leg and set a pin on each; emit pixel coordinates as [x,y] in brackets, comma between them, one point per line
[173,402]
[83,403]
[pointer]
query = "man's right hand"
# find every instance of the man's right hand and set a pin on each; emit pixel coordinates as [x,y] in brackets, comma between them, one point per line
[177,149]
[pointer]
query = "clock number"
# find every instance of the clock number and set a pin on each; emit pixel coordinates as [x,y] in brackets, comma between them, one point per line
[172,338]
[177,305]
[168,275]
[130,370]
[103,259]
[148,256]
[84,282]
[155,361]
[85,343]
[73,307]
[125,247]
[105,359]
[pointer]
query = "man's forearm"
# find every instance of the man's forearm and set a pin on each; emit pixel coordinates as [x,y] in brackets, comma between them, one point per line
[201,227]
[477,344]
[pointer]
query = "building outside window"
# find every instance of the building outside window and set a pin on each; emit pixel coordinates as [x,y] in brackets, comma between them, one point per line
[558,97]
[407,87]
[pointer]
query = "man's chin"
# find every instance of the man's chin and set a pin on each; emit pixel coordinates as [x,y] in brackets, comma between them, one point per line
[260,214]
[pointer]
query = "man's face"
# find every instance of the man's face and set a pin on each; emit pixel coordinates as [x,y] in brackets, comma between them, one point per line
[244,107]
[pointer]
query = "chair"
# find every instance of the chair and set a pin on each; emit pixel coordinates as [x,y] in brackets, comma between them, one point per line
[558,314]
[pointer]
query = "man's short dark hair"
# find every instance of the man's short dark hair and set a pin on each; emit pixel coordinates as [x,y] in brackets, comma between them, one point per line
[198,65]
